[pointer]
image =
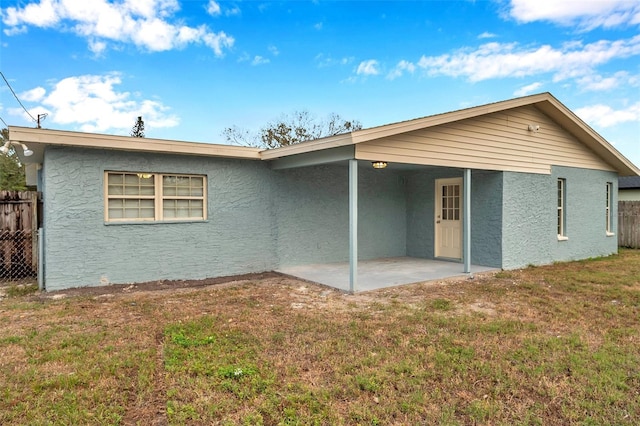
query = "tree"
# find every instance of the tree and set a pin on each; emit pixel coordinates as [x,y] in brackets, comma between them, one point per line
[291,129]
[11,170]
[138,129]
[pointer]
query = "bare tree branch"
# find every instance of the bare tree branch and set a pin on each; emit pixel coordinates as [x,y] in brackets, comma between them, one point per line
[299,126]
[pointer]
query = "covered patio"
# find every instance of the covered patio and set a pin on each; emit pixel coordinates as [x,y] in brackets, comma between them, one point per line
[380,273]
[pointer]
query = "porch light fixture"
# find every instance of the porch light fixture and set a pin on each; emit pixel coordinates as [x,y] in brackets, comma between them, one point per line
[533,128]
[379,164]
[25,149]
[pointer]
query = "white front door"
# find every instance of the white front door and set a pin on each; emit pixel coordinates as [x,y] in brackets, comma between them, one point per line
[448,218]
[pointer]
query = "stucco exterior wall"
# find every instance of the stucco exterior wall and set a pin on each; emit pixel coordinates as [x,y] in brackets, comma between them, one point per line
[311,213]
[81,250]
[261,219]
[311,208]
[529,233]
[486,218]
[420,209]
[258,219]
[486,214]
[382,213]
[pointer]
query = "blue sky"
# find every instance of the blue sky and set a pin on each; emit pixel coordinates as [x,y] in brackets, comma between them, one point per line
[192,68]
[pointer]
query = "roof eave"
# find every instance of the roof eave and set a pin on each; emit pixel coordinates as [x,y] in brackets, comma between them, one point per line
[583,132]
[308,146]
[38,139]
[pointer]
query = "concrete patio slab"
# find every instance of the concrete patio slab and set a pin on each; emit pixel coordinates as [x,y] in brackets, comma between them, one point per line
[381,273]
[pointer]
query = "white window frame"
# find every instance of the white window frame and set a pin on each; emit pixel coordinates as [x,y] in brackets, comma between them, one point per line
[608,206]
[561,195]
[158,197]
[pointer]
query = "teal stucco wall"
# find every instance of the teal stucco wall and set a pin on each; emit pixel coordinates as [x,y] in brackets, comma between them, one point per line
[258,219]
[311,211]
[529,233]
[261,219]
[81,250]
[486,214]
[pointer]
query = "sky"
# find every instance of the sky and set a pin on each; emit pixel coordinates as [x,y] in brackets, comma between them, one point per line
[192,68]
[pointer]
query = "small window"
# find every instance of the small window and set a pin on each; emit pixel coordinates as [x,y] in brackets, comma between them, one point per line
[561,209]
[451,202]
[152,197]
[609,223]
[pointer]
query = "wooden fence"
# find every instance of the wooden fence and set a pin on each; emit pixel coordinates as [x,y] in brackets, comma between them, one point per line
[19,214]
[629,224]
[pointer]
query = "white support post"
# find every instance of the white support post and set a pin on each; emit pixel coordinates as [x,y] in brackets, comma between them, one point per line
[353,225]
[466,221]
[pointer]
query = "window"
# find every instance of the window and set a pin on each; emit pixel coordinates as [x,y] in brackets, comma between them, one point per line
[609,223]
[144,197]
[561,209]
[450,202]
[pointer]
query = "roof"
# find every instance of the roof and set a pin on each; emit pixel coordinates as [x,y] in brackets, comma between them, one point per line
[629,182]
[545,102]
[37,139]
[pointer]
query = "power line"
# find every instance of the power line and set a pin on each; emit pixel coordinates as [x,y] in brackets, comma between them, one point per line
[4,122]
[16,96]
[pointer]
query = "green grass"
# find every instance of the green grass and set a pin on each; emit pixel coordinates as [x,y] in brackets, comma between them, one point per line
[21,290]
[562,346]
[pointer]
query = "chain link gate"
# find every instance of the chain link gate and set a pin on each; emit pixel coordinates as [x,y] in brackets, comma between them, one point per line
[18,259]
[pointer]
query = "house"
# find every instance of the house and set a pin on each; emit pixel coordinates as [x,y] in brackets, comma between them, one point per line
[629,188]
[503,185]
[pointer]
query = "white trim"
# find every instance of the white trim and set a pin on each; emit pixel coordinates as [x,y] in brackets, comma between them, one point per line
[561,200]
[608,207]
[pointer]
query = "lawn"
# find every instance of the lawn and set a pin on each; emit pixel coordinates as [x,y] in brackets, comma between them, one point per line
[557,344]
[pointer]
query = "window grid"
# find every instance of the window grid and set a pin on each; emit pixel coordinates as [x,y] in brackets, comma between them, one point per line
[561,203]
[131,196]
[182,197]
[450,202]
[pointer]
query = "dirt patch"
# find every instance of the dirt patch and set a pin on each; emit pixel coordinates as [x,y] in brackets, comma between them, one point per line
[160,285]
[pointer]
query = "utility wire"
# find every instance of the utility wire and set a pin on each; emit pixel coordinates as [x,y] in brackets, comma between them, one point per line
[16,96]
[4,122]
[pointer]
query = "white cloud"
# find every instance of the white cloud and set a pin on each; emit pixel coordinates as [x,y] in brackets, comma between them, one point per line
[496,60]
[605,116]
[400,68]
[318,26]
[145,23]
[327,61]
[234,11]
[487,34]
[586,14]
[597,82]
[92,103]
[525,90]
[20,29]
[43,14]
[97,47]
[274,50]
[369,67]
[34,95]
[259,60]
[213,8]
